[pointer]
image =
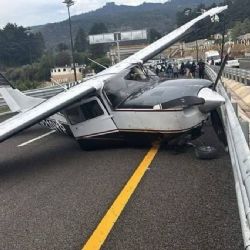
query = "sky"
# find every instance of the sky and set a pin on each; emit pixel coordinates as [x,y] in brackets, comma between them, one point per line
[35,12]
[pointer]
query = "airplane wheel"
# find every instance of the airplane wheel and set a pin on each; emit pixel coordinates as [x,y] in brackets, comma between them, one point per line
[86,146]
[206,152]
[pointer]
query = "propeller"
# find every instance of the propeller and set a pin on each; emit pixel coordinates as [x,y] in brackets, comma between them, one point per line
[222,68]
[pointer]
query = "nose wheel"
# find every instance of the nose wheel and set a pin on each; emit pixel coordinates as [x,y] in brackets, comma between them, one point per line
[206,152]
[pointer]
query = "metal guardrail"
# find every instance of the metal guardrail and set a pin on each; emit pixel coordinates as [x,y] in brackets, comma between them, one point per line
[238,147]
[244,63]
[240,158]
[239,75]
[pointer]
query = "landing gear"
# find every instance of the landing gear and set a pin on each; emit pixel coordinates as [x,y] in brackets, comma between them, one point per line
[86,145]
[206,152]
[218,127]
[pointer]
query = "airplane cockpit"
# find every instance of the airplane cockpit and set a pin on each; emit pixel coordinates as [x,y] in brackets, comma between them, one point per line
[129,82]
[136,74]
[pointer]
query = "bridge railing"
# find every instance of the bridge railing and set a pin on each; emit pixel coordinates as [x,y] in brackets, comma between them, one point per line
[240,158]
[239,75]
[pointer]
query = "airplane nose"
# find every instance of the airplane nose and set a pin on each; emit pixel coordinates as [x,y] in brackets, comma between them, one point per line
[212,100]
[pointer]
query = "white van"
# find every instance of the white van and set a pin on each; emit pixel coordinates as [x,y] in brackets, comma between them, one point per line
[213,55]
[234,63]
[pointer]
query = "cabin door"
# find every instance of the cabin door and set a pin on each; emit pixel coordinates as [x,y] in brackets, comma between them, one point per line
[89,119]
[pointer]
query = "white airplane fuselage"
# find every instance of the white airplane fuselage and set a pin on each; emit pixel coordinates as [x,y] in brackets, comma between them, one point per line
[136,124]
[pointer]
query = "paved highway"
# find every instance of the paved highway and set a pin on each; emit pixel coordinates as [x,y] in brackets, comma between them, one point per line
[53,196]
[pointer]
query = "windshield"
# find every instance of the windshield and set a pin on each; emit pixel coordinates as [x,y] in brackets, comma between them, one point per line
[119,88]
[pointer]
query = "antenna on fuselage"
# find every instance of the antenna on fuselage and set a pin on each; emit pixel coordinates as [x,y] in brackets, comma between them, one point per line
[97,63]
[58,84]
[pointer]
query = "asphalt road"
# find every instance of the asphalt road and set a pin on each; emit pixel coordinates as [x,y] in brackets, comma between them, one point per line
[53,195]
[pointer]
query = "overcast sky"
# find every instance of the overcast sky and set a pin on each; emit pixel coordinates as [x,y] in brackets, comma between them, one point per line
[34,12]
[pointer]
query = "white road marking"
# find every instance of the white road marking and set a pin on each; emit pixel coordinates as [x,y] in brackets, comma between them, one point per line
[36,139]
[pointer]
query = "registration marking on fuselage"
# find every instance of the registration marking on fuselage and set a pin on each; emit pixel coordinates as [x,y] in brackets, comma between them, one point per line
[102,231]
[36,139]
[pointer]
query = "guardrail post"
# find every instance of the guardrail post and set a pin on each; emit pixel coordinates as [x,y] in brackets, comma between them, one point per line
[245,78]
[245,128]
[235,106]
[241,79]
[223,83]
[248,79]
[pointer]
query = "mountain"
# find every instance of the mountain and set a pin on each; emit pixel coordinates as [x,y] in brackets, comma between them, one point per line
[161,16]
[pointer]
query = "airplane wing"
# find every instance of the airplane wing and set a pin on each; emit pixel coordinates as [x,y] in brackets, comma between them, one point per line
[163,43]
[51,106]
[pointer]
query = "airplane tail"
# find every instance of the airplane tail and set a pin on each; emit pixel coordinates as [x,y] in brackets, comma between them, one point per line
[14,98]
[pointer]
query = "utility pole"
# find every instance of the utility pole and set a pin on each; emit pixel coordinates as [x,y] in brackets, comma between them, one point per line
[223,37]
[69,3]
[223,32]
[28,33]
[117,36]
[197,51]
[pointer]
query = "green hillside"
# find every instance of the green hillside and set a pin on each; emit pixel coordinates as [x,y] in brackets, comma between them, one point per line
[161,17]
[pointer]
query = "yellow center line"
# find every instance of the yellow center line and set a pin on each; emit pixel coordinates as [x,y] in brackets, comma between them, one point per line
[102,231]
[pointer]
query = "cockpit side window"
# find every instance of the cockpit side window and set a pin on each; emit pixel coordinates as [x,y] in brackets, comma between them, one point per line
[91,110]
[136,74]
[129,82]
[75,115]
[84,112]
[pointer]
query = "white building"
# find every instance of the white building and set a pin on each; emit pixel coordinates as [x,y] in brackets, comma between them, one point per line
[244,39]
[66,74]
[217,36]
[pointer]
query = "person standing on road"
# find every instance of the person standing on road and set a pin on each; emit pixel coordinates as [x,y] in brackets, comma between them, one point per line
[182,70]
[201,65]
[157,71]
[175,71]
[170,71]
[188,68]
[193,69]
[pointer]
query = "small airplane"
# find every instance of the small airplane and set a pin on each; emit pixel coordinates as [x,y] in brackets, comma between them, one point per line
[125,102]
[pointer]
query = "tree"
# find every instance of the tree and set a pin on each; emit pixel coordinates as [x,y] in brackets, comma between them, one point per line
[81,58]
[63,58]
[62,47]
[31,76]
[98,28]
[154,35]
[98,50]
[103,61]
[37,45]
[19,46]
[81,42]
[240,28]
[47,62]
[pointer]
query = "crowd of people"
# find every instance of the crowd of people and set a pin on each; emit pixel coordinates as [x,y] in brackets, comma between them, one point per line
[184,70]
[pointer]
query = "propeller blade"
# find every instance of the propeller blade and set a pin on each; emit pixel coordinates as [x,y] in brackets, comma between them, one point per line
[222,68]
